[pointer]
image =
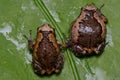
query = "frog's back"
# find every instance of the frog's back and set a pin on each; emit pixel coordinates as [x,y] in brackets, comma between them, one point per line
[46,52]
[89,30]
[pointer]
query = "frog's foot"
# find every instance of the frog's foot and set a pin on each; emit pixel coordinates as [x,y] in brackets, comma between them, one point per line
[59,64]
[100,48]
[78,51]
[38,68]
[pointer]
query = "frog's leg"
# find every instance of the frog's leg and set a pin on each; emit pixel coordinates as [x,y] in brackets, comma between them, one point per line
[59,64]
[30,41]
[100,47]
[38,68]
[78,50]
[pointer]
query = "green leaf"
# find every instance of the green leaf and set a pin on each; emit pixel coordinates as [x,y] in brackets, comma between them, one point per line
[17,17]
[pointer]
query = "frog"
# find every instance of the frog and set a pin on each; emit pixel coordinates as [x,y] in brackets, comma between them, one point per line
[46,51]
[88,32]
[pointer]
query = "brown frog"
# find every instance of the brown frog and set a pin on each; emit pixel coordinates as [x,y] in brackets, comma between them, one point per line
[88,32]
[46,51]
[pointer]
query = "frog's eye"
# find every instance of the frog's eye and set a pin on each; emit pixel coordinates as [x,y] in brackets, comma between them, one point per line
[39,29]
[50,31]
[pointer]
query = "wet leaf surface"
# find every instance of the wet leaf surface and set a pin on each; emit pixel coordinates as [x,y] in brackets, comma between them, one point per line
[17,17]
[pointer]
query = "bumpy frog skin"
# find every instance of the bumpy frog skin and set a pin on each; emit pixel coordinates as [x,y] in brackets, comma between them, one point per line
[46,51]
[88,32]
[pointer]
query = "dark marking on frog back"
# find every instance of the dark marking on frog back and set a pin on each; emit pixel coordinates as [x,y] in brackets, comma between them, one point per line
[46,52]
[90,30]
